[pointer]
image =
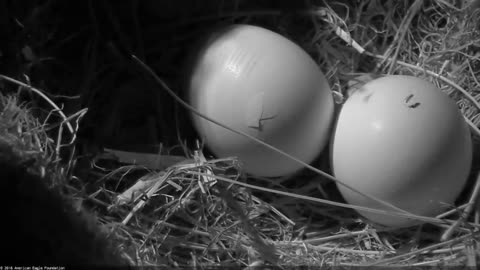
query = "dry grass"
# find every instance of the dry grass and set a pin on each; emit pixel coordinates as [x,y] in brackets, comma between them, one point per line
[190,218]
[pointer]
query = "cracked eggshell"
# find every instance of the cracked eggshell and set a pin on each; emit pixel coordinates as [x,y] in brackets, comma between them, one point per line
[258,82]
[402,140]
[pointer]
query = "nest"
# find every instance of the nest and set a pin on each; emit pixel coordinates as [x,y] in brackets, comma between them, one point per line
[76,71]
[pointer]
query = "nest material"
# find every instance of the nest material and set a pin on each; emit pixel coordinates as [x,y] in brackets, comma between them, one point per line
[236,221]
[42,224]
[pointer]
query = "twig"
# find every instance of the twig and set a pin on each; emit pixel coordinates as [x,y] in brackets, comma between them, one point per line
[425,249]
[473,127]
[400,36]
[435,262]
[348,39]
[315,241]
[433,74]
[42,95]
[147,196]
[318,200]
[452,211]
[466,213]
[325,16]
[471,255]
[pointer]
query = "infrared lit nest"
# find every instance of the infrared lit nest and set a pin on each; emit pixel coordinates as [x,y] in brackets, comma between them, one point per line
[199,211]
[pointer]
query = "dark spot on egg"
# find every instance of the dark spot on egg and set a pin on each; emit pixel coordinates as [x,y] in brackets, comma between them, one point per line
[367,97]
[414,105]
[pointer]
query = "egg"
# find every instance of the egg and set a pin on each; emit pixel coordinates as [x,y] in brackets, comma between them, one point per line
[258,82]
[402,140]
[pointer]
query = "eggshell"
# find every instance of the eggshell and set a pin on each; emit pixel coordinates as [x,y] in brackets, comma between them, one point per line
[261,83]
[402,140]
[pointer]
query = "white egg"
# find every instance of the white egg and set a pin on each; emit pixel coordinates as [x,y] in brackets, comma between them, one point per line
[258,82]
[402,140]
